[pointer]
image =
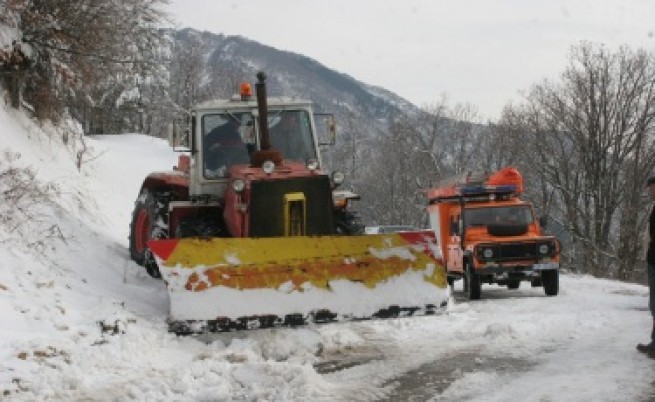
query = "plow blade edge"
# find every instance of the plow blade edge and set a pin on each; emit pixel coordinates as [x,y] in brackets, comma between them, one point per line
[222,284]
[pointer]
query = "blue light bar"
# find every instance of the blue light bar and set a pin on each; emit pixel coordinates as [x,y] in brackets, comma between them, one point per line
[481,190]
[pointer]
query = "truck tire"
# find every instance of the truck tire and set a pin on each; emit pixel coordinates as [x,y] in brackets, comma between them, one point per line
[550,280]
[149,221]
[513,284]
[474,287]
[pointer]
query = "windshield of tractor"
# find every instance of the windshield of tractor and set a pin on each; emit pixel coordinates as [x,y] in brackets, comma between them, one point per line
[227,139]
[509,215]
[291,134]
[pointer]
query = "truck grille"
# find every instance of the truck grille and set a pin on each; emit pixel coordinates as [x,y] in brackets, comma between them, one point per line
[516,251]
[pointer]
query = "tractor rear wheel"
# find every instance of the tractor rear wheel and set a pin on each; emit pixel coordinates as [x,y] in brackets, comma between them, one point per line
[149,221]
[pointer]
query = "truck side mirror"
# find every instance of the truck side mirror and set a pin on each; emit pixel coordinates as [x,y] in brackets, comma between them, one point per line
[326,128]
[543,221]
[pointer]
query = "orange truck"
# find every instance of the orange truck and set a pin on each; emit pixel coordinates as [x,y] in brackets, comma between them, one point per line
[488,234]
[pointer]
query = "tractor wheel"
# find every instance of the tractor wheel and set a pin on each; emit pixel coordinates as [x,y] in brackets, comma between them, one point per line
[550,279]
[513,284]
[149,221]
[473,288]
[348,223]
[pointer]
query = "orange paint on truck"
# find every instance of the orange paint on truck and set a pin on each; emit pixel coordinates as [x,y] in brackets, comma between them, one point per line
[486,230]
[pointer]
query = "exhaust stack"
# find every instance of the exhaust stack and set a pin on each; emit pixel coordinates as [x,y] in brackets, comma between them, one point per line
[266,152]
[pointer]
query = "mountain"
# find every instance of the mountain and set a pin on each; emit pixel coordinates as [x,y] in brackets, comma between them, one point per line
[295,75]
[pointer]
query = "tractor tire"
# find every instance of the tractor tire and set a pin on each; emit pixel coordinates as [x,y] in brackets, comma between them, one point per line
[348,223]
[149,221]
[550,280]
[514,284]
[473,285]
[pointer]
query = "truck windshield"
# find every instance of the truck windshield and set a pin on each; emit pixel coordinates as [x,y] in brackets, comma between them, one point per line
[291,134]
[509,215]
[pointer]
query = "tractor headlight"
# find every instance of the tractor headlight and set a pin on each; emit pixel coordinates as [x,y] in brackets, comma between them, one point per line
[312,164]
[238,185]
[544,249]
[338,177]
[268,166]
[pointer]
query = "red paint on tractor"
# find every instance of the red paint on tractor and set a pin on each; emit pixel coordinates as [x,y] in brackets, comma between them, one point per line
[163,248]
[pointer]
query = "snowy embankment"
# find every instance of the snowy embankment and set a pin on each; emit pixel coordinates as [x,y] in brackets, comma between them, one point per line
[82,322]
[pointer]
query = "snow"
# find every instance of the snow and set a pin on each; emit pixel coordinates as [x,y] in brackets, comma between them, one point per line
[80,321]
[346,298]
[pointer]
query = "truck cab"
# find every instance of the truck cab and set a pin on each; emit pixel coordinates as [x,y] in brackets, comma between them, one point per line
[488,234]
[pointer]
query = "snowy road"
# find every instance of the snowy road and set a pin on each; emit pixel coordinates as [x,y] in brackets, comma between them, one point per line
[512,345]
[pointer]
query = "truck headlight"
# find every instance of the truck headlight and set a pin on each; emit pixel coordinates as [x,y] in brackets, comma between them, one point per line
[544,249]
[487,253]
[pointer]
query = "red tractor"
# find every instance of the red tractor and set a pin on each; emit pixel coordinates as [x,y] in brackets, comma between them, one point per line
[248,231]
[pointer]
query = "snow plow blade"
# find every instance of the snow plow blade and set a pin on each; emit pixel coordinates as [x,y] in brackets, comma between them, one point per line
[224,284]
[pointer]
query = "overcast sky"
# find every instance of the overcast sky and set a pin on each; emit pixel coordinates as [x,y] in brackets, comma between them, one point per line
[482,52]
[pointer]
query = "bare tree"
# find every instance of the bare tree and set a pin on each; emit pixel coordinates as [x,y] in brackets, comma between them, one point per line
[589,142]
[75,44]
[188,71]
[418,150]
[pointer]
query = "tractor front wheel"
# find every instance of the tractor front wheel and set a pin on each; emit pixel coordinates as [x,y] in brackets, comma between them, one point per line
[148,222]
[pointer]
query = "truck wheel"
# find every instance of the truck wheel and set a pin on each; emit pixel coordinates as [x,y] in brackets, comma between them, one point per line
[550,279]
[513,284]
[473,283]
[148,222]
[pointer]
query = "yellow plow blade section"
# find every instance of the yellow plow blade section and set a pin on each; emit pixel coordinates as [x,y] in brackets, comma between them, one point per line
[349,276]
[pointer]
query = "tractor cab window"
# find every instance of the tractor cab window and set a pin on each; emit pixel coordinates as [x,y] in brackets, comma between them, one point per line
[291,134]
[509,215]
[226,141]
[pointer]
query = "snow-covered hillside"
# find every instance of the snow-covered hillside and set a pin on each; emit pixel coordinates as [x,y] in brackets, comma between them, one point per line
[82,322]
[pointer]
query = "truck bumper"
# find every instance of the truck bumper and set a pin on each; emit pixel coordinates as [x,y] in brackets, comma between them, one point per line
[525,269]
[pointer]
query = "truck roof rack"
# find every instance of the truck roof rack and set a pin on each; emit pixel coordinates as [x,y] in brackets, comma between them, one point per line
[505,182]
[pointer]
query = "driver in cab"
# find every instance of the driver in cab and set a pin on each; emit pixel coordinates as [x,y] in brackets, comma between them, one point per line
[223,148]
